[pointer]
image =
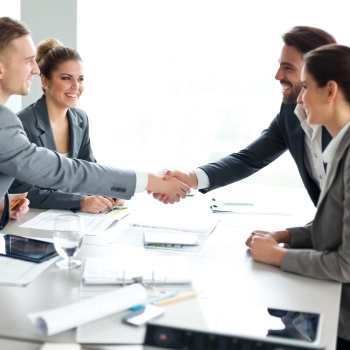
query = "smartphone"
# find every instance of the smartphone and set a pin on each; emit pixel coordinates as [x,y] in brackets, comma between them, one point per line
[26,248]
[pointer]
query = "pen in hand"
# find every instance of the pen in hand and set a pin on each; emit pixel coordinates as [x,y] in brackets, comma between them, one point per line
[15,204]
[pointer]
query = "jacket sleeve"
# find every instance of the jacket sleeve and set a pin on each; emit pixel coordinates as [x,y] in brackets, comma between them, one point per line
[237,166]
[41,167]
[42,198]
[331,264]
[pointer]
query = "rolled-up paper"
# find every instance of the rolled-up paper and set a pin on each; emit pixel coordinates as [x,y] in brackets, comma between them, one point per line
[53,321]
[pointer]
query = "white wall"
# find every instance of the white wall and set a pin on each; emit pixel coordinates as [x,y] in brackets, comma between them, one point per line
[180,83]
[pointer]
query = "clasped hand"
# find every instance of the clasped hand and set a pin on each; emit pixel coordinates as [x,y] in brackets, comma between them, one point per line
[188,180]
[264,246]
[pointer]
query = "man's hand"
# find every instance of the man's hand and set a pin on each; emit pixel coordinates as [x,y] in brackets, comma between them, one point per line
[172,189]
[189,178]
[21,208]
[265,249]
[96,204]
[279,236]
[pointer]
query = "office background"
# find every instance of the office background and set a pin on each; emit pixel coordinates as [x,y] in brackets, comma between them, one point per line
[177,83]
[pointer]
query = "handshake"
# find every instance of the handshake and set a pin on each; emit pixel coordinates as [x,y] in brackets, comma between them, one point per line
[170,186]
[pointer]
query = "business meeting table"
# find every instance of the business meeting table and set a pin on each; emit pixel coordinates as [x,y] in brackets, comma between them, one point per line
[232,283]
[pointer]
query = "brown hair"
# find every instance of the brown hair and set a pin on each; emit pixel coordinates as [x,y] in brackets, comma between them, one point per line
[306,39]
[10,29]
[330,62]
[51,54]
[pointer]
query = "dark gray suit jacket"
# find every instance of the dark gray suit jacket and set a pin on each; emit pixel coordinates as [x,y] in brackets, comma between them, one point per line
[329,235]
[36,124]
[21,159]
[284,133]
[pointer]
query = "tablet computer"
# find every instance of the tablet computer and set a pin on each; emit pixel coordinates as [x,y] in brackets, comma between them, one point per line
[26,248]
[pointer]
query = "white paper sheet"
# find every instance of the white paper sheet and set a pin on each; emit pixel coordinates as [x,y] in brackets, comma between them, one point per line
[54,321]
[93,223]
[16,272]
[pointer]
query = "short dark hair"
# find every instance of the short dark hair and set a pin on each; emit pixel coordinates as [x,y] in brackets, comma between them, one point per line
[10,29]
[330,62]
[306,38]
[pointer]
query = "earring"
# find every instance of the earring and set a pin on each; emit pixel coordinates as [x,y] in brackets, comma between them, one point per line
[328,102]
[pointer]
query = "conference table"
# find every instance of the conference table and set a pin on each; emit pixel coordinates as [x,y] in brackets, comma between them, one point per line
[223,269]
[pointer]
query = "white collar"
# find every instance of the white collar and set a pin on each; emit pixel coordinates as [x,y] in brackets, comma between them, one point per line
[331,149]
[301,115]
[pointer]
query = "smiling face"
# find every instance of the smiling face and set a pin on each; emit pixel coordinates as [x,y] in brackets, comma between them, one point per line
[17,68]
[288,74]
[314,100]
[66,84]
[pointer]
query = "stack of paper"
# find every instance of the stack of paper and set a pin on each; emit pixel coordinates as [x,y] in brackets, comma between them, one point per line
[134,233]
[93,223]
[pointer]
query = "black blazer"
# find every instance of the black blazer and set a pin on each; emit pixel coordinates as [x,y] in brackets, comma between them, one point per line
[36,123]
[283,133]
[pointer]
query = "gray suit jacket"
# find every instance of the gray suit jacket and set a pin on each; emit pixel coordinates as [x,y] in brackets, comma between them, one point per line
[329,236]
[21,159]
[36,124]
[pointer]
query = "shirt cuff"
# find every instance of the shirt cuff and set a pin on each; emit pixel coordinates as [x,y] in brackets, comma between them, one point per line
[203,179]
[141,181]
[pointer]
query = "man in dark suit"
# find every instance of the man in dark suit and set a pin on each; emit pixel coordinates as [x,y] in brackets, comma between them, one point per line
[288,130]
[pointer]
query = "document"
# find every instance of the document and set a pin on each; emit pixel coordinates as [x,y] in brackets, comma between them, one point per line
[54,321]
[148,269]
[16,272]
[133,233]
[93,223]
[224,206]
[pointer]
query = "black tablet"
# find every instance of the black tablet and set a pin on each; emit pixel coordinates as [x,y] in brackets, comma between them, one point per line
[26,248]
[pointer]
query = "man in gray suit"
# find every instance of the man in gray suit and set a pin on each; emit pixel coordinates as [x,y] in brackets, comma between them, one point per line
[25,161]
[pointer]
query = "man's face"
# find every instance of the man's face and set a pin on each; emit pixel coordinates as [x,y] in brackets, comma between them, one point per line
[288,74]
[17,68]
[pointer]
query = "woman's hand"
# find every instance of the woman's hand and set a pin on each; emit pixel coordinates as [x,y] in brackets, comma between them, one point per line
[264,248]
[21,208]
[279,236]
[96,204]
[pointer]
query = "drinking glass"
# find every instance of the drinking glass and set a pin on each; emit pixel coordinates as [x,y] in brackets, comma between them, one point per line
[68,239]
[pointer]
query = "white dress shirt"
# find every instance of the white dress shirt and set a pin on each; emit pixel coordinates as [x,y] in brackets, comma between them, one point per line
[313,153]
[313,148]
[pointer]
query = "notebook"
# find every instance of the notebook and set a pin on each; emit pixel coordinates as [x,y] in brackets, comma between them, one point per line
[146,269]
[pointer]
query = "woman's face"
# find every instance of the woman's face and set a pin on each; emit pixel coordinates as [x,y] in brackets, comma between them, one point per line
[66,84]
[313,99]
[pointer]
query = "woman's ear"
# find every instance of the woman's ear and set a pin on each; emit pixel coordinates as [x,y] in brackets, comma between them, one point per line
[43,81]
[332,90]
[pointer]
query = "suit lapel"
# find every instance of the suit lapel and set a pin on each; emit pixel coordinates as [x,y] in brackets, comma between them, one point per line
[43,124]
[76,132]
[333,166]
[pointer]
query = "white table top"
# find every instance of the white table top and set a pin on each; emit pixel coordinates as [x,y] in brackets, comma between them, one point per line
[223,269]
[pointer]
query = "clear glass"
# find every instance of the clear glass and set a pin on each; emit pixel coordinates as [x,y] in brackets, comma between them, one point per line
[68,239]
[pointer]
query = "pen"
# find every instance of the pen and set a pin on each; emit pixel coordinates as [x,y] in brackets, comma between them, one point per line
[165,296]
[15,204]
[178,298]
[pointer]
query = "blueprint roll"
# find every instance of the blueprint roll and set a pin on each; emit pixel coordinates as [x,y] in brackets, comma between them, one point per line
[54,321]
